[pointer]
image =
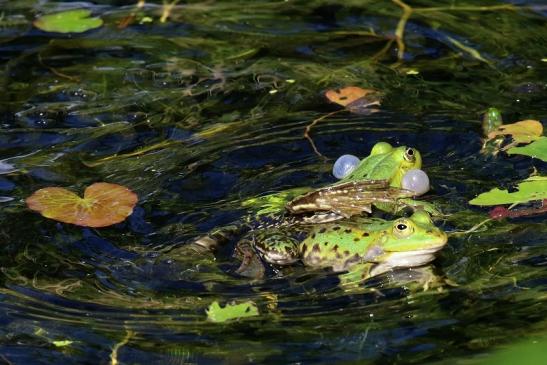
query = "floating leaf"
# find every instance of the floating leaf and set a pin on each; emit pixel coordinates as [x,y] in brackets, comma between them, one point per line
[103,204]
[62,343]
[71,21]
[216,313]
[351,94]
[533,188]
[524,131]
[536,149]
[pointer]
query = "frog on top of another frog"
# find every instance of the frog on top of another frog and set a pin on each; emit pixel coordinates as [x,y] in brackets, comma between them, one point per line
[377,180]
[362,245]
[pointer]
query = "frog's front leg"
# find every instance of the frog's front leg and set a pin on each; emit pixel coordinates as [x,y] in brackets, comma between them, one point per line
[361,272]
[418,205]
[356,275]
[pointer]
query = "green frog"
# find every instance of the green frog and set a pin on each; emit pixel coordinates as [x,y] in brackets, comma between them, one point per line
[377,180]
[364,247]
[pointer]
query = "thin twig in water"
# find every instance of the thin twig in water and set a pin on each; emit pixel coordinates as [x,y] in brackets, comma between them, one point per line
[167,8]
[5,359]
[114,354]
[473,52]
[472,229]
[314,122]
[400,30]
[465,8]
[58,73]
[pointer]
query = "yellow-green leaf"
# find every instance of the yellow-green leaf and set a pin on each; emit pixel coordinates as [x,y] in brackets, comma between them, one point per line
[71,21]
[533,188]
[536,149]
[103,204]
[216,313]
[62,343]
[524,131]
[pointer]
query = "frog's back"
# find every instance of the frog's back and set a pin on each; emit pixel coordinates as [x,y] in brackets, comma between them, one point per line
[337,245]
[377,167]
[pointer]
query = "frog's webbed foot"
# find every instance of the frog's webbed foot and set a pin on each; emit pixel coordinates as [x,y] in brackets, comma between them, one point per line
[251,265]
[349,198]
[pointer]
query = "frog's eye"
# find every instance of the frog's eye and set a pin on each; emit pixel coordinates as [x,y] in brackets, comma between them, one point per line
[410,155]
[402,229]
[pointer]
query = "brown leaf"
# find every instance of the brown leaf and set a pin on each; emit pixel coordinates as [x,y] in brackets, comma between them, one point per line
[348,95]
[103,204]
[524,131]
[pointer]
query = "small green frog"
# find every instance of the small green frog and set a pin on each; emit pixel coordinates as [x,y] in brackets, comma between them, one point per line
[377,180]
[364,247]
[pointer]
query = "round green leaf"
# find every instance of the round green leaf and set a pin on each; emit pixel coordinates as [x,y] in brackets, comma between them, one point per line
[536,149]
[533,188]
[216,313]
[71,21]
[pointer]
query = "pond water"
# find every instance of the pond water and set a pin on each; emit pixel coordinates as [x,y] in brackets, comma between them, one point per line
[207,109]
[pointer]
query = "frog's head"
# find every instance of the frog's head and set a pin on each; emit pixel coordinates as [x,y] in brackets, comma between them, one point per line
[411,241]
[405,159]
[387,163]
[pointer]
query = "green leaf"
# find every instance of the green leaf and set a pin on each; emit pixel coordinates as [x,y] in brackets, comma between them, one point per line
[218,314]
[537,149]
[62,343]
[72,21]
[533,188]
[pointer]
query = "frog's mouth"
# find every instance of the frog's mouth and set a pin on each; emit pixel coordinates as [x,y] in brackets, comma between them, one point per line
[412,258]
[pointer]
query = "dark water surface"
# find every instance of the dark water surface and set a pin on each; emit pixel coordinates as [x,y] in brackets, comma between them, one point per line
[208,109]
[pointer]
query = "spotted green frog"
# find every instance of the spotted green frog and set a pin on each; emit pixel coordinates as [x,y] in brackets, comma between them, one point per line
[364,247]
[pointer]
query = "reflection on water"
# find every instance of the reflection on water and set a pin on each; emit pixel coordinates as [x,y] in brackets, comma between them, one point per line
[207,110]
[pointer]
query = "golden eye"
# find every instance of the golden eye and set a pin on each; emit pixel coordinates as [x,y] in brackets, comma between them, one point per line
[410,155]
[401,229]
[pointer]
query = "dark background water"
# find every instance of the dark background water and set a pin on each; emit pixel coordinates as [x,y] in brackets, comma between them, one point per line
[208,109]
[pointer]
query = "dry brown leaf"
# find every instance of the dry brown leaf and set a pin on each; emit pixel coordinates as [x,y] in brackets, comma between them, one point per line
[524,131]
[103,204]
[348,95]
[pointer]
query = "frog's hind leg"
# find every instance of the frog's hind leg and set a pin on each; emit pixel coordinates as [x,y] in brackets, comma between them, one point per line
[270,245]
[277,247]
[214,239]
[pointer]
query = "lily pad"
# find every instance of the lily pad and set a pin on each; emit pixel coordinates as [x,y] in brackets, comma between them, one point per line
[536,149]
[71,21]
[216,313]
[533,188]
[103,204]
